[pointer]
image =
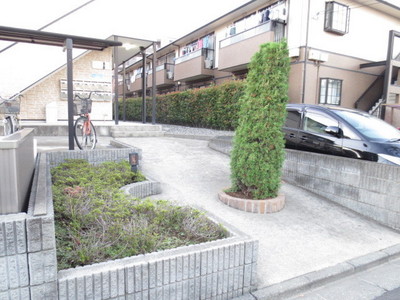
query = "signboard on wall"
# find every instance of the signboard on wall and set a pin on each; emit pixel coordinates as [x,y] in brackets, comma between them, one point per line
[102,90]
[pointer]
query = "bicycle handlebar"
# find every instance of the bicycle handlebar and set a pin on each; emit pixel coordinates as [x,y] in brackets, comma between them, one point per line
[86,98]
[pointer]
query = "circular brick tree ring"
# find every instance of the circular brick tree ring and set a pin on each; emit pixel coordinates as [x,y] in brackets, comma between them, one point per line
[263,206]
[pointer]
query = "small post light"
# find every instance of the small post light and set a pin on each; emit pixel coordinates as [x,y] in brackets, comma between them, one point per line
[134,161]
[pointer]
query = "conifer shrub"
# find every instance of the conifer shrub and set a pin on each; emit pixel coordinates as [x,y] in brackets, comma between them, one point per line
[258,149]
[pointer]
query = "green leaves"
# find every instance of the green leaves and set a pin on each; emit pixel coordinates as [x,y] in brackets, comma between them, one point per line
[213,107]
[95,221]
[258,152]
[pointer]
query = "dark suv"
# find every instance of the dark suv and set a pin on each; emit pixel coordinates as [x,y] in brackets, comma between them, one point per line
[341,131]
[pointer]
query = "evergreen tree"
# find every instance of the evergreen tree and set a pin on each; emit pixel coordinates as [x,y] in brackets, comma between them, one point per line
[258,150]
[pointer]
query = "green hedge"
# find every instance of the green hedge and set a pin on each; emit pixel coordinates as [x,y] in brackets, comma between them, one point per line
[213,107]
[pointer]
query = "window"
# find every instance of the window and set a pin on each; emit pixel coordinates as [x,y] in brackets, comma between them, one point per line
[330,91]
[317,122]
[293,119]
[336,17]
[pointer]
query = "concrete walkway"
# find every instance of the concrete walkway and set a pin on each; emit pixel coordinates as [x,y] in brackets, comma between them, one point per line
[309,234]
[311,240]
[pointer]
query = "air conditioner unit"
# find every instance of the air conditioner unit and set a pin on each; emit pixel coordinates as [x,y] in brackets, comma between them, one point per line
[314,55]
[317,55]
[294,52]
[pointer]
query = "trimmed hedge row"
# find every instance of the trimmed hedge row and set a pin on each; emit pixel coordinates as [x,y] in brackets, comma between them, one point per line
[213,107]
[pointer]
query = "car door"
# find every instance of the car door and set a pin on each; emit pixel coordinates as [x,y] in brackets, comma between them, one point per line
[355,146]
[291,127]
[315,134]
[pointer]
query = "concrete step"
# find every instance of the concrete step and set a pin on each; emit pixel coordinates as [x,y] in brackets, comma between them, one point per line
[102,129]
[140,130]
[139,127]
[140,133]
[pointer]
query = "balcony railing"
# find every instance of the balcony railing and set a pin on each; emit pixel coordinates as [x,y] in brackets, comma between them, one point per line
[189,56]
[207,53]
[246,34]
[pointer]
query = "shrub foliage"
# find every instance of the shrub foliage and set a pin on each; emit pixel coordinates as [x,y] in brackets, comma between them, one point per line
[258,150]
[95,221]
[213,107]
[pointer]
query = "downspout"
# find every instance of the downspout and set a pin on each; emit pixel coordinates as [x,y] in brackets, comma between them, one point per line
[305,54]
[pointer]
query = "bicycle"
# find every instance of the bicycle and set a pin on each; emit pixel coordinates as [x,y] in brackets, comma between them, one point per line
[84,131]
[10,108]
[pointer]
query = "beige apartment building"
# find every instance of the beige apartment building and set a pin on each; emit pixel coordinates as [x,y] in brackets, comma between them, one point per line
[342,52]
[46,99]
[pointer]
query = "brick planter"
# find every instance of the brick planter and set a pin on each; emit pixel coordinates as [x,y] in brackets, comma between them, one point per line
[263,206]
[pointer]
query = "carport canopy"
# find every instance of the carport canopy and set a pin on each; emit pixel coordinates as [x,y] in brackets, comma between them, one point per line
[53,39]
[69,42]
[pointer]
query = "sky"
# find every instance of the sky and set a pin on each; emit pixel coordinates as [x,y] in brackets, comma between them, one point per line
[24,64]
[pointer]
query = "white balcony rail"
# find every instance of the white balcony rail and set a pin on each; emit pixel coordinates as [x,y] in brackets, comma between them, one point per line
[265,27]
[189,56]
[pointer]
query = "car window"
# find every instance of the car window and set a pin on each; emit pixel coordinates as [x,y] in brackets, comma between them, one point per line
[370,126]
[316,122]
[349,133]
[293,119]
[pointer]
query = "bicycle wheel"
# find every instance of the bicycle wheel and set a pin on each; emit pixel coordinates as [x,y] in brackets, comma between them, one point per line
[85,139]
[8,126]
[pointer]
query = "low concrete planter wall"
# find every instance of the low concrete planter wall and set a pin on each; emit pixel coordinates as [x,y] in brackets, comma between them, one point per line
[222,269]
[142,189]
[368,188]
[17,165]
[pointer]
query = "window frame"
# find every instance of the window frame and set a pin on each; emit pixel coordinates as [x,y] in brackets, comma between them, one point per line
[326,96]
[329,24]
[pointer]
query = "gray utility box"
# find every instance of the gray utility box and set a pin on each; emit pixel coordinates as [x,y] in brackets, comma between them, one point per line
[17,164]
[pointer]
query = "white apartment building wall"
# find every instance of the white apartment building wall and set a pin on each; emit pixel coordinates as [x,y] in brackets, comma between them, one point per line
[367,36]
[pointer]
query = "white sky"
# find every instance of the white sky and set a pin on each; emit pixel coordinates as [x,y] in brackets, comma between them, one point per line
[23,64]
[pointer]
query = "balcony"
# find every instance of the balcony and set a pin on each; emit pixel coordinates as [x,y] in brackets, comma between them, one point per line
[136,85]
[195,65]
[164,76]
[236,51]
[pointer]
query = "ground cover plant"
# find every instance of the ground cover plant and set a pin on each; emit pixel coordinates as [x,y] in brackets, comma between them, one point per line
[95,221]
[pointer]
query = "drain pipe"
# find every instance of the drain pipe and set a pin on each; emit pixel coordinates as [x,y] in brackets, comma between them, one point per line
[306,54]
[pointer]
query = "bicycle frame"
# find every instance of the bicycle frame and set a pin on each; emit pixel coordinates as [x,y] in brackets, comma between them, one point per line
[86,125]
[10,111]
[84,131]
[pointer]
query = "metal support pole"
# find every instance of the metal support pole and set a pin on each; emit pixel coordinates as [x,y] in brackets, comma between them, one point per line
[388,73]
[70,93]
[144,87]
[154,86]
[116,112]
[123,92]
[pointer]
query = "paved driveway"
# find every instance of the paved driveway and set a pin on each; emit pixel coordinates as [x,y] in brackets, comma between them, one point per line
[309,234]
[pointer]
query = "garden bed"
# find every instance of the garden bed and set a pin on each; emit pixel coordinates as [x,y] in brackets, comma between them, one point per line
[213,270]
[96,221]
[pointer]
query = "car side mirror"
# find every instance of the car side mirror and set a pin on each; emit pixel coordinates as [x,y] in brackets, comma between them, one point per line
[335,131]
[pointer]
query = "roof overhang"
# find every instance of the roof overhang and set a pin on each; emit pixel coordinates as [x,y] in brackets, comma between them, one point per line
[381,5]
[131,47]
[53,39]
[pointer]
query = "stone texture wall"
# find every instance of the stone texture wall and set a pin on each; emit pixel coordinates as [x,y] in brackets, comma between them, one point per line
[368,188]
[49,91]
[216,270]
